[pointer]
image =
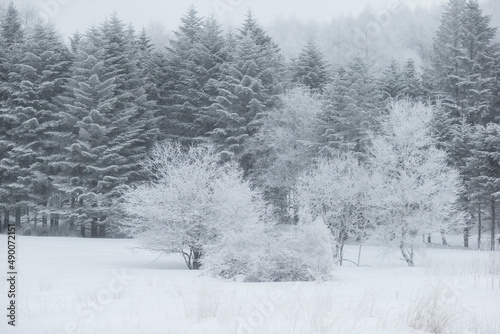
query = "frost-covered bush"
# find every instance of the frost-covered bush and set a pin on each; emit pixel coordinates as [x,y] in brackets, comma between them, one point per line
[206,211]
[271,253]
[193,201]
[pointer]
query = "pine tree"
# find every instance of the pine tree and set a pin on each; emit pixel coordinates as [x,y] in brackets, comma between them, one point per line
[353,102]
[11,29]
[390,83]
[484,167]
[81,98]
[240,98]
[311,69]
[272,60]
[411,82]
[111,122]
[464,62]
[38,70]
[249,84]
[181,89]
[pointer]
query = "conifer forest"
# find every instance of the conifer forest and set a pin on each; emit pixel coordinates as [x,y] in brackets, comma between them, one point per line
[250,167]
[386,131]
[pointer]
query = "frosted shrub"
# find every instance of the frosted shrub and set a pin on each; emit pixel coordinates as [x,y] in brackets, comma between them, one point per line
[204,210]
[193,201]
[271,253]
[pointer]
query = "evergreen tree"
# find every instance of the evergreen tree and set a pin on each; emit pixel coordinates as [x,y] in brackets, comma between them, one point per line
[38,70]
[390,83]
[271,58]
[463,73]
[110,122]
[240,98]
[484,167]
[311,69]
[411,82]
[352,105]
[405,84]
[11,29]
[181,87]
[463,63]
[248,86]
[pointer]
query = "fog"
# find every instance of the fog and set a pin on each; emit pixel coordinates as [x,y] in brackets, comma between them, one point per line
[72,15]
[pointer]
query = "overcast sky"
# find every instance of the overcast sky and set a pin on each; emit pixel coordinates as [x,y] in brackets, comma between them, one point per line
[72,15]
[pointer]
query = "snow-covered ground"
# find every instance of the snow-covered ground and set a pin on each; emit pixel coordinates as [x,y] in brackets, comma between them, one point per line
[71,285]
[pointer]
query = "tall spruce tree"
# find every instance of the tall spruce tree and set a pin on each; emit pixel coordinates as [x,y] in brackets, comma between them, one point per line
[463,73]
[311,69]
[463,64]
[181,87]
[111,122]
[249,85]
[390,83]
[484,170]
[411,82]
[38,70]
[353,103]
[12,31]
[11,38]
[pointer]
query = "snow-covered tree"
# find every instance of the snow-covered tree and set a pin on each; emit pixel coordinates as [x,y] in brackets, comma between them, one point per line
[193,62]
[283,147]
[413,190]
[311,69]
[353,102]
[11,29]
[463,63]
[37,70]
[249,85]
[483,167]
[390,83]
[192,201]
[335,192]
[411,82]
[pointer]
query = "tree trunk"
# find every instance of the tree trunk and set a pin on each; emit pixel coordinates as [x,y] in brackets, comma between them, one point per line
[52,221]
[6,218]
[196,260]
[93,228]
[443,238]
[44,220]
[342,239]
[407,255]
[466,236]
[493,223]
[18,217]
[102,230]
[82,230]
[479,228]
[429,238]
[71,218]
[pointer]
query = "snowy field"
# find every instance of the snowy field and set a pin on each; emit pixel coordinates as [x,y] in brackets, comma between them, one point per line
[95,286]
